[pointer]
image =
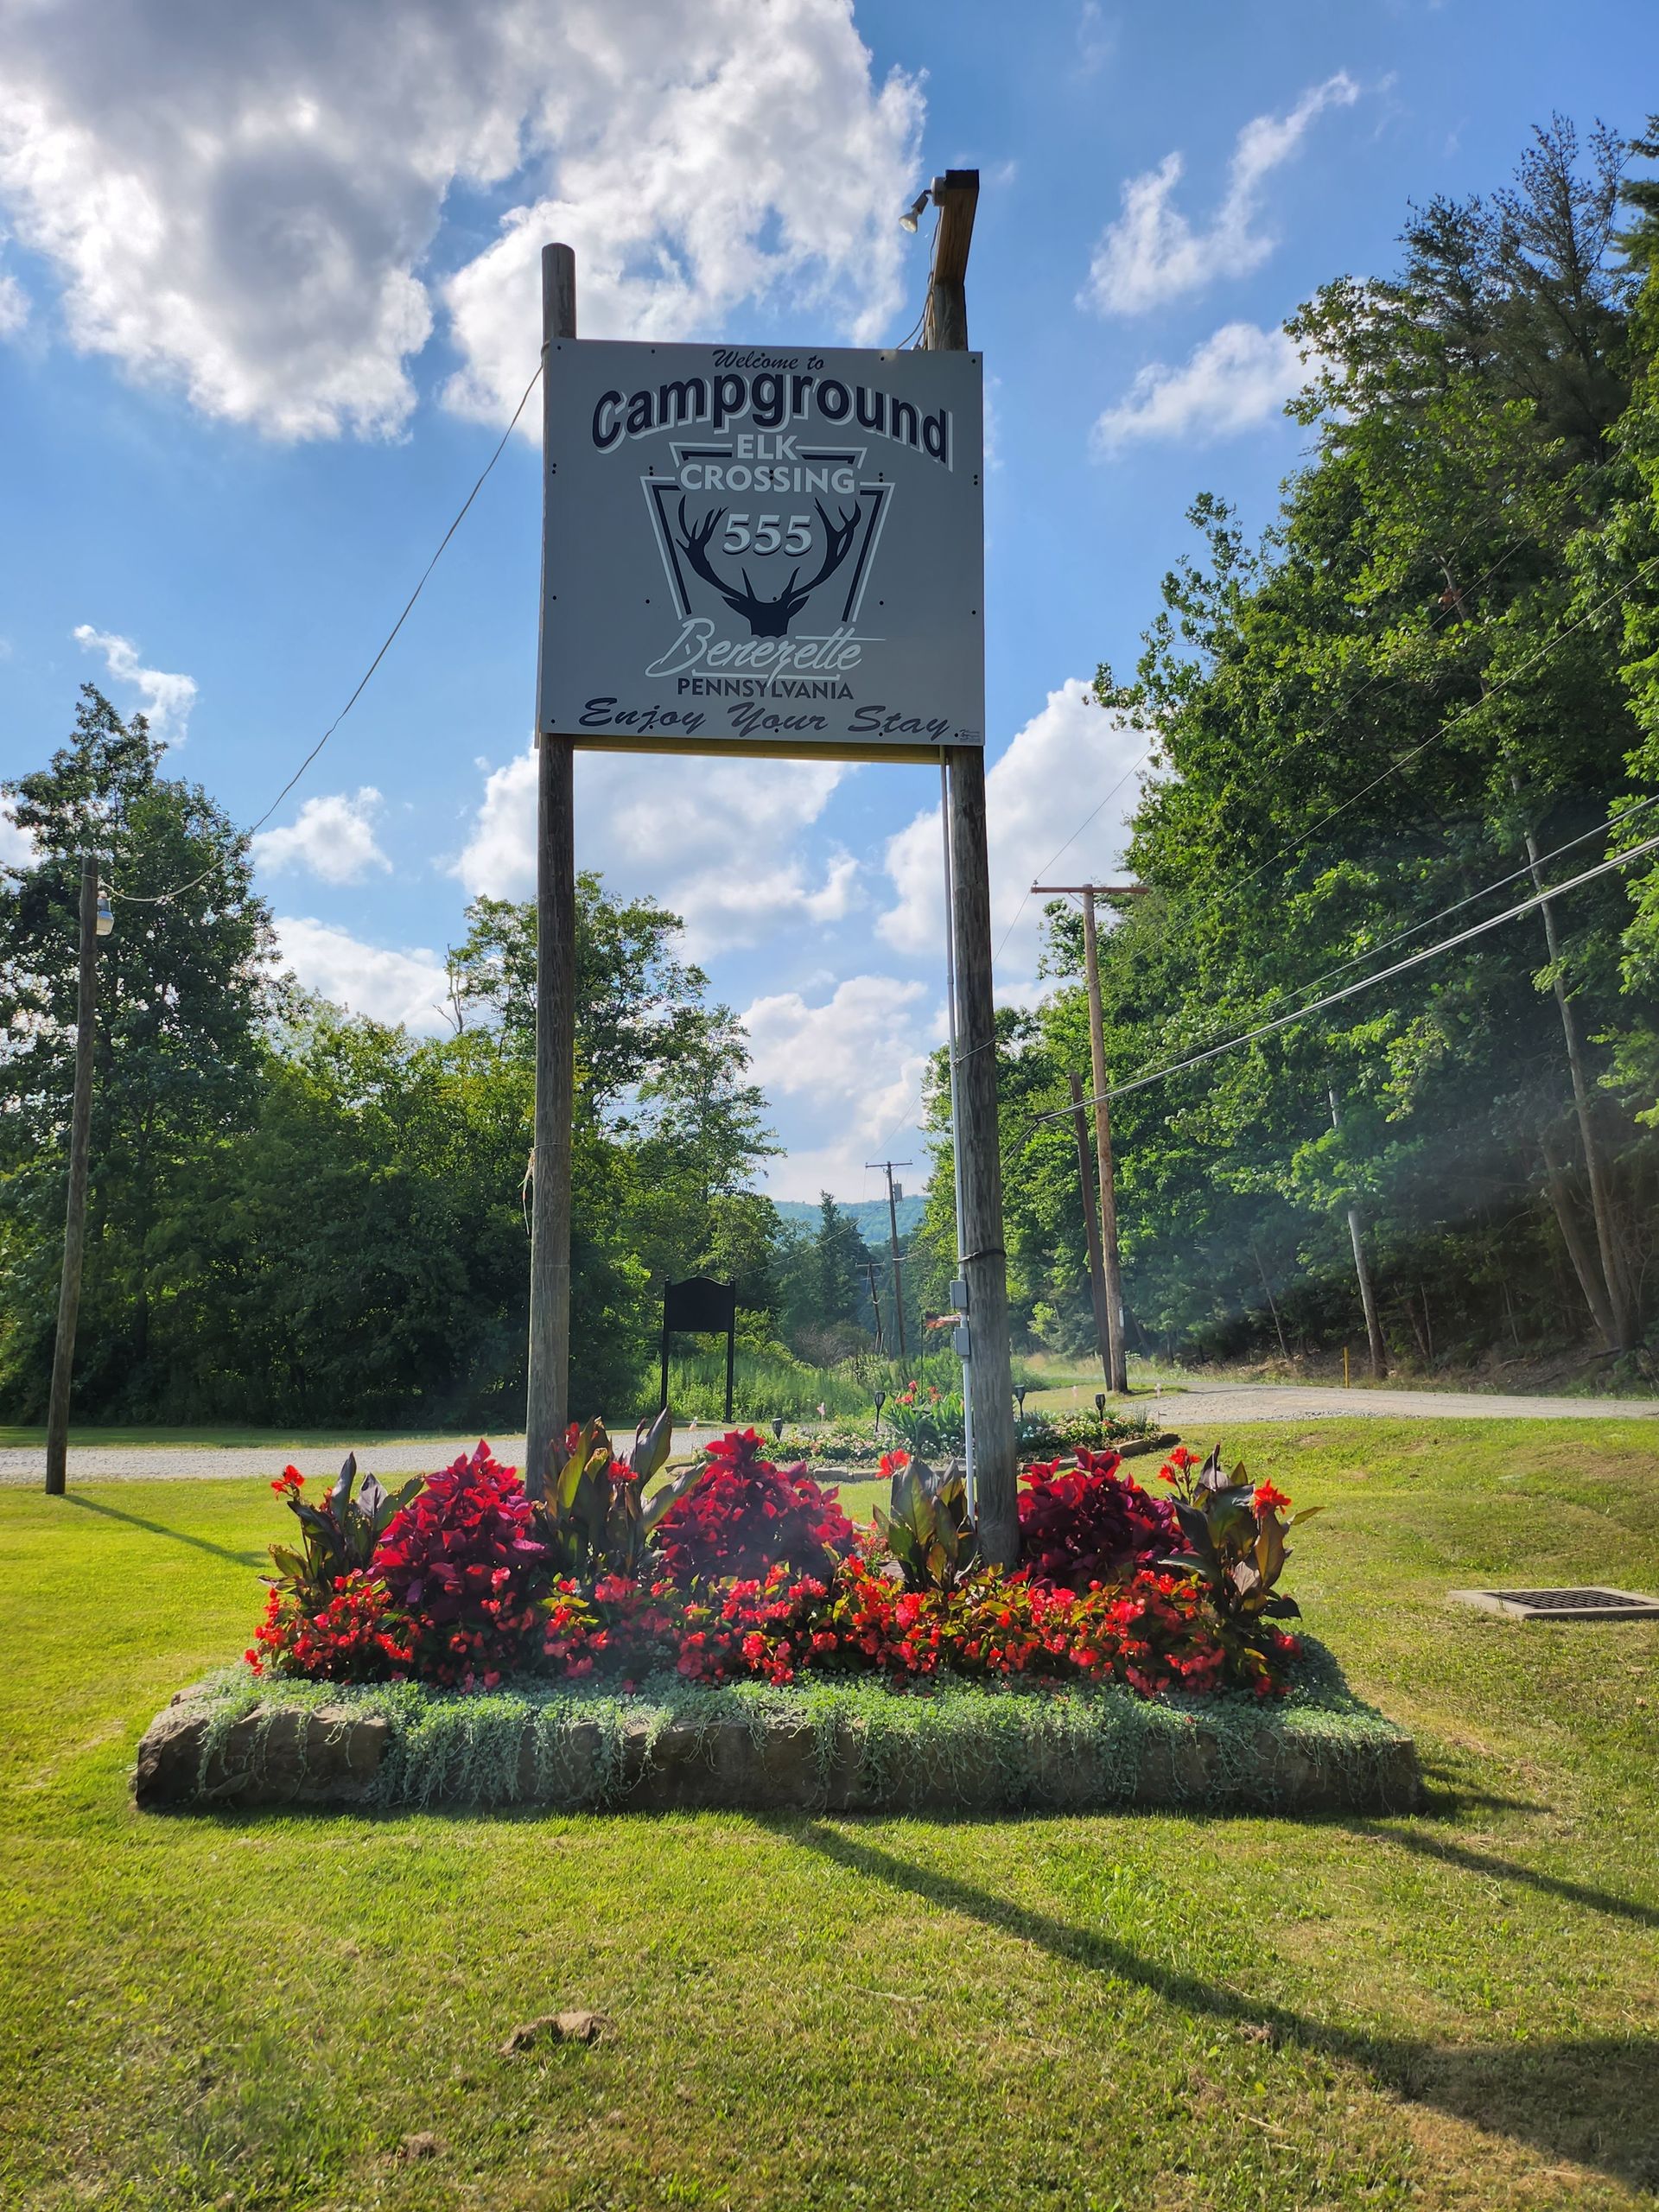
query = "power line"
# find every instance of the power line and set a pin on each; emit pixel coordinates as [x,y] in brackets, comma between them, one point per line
[1429,921]
[1350,990]
[1434,737]
[1377,676]
[165,897]
[1134,768]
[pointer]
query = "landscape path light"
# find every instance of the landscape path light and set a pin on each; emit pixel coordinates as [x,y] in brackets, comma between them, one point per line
[880,1401]
[1019,1390]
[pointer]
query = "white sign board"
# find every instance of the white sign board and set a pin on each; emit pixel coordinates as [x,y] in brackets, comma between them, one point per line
[774,552]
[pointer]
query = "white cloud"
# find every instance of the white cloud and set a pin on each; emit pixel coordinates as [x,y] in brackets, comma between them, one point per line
[408,987]
[167,700]
[855,1063]
[1151,254]
[13,305]
[248,203]
[17,846]
[713,840]
[333,836]
[1071,757]
[1237,378]
[1097,37]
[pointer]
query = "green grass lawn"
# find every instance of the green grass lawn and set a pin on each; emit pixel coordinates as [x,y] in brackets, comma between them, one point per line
[1457,2009]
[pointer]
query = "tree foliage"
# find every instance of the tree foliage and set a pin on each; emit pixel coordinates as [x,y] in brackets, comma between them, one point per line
[1437,665]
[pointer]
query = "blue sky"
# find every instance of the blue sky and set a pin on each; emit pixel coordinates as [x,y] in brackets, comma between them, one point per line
[267,297]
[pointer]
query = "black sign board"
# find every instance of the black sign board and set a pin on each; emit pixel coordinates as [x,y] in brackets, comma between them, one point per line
[701,1307]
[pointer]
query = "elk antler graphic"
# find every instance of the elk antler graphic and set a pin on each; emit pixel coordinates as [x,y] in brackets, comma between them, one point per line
[767,618]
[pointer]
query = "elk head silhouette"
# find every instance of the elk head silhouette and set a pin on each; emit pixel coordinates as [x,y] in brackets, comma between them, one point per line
[767,618]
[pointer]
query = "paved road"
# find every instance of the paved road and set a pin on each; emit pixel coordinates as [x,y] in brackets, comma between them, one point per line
[1202,1410]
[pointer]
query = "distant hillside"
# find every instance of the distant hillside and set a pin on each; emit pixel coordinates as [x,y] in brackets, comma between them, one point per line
[870,1215]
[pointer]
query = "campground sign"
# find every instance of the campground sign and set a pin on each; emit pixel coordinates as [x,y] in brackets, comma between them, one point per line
[763,551]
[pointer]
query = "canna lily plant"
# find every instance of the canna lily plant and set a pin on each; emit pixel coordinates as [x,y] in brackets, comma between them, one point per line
[338,1537]
[928,1531]
[596,1518]
[1237,1531]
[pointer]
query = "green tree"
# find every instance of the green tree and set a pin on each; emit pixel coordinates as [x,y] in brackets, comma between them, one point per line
[185,987]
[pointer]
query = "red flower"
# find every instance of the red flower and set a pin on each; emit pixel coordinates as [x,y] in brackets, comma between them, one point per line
[1266,1498]
[288,1482]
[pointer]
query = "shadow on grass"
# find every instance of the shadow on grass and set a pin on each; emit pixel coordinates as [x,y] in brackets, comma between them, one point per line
[1594,2100]
[1447,1794]
[161,1529]
[1508,1870]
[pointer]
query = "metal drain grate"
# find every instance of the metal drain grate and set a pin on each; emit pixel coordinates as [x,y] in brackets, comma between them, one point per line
[1595,1602]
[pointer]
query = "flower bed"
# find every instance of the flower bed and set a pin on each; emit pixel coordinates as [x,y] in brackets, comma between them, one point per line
[738,1575]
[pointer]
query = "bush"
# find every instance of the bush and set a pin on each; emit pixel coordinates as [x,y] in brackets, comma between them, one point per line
[463,1562]
[744,1516]
[1089,1524]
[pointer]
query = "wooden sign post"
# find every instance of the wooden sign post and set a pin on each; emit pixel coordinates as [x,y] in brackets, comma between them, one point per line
[548,1410]
[983,1260]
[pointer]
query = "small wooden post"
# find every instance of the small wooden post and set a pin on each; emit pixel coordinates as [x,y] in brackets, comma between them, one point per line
[547,1408]
[979,1227]
[1362,1268]
[74,1219]
[1092,1226]
[1117,1368]
[1117,1360]
[887,1166]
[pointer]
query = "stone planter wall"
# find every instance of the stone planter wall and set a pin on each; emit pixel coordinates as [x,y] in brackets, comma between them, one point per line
[200,1753]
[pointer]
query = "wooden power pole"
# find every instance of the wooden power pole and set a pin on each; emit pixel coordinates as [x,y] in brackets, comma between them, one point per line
[1619,1327]
[1117,1365]
[74,1219]
[887,1166]
[1092,1226]
[983,1260]
[546,1411]
[1363,1269]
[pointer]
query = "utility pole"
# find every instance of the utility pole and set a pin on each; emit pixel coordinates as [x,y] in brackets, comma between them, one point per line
[875,1304]
[1117,1368]
[988,1381]
[1619,1328]
[1362,1269]
[546,1409]
[1092,1226]
[887,1166]
[92,926]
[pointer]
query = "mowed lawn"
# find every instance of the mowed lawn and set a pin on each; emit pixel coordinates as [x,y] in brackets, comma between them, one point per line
[1456,2009]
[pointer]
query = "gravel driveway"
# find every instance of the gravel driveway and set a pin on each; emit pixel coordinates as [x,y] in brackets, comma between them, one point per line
[1203,1409]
